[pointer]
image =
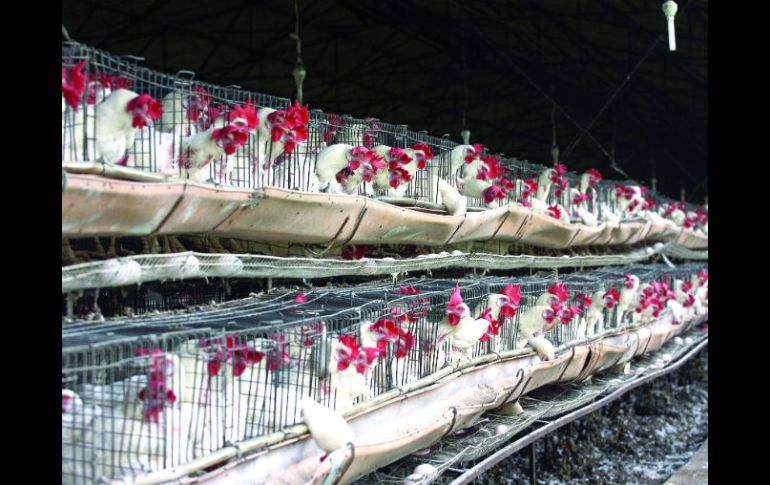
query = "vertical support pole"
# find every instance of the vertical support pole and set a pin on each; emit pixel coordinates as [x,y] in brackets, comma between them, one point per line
[532,464]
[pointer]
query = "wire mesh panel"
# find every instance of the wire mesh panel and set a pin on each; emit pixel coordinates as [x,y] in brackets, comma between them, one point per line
[140,394]
[190,138]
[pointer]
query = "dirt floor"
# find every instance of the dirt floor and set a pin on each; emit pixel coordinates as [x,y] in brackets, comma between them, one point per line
[642,438]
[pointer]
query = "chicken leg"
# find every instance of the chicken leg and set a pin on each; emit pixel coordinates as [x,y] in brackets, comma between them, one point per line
[176,245]
[215,246]
[99,248]
[112,250]
[150,245]
[67,253]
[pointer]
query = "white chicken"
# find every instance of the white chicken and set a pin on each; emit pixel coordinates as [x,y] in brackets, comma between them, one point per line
[278,132]
[348,364]
[186,113]
[462,154]
[341,168]
[223,137]
[530,326]
[608,215]
[398,170]
[594,316]
[298,173]
[118,118]
[154,150]
[448,196]
[548,177]
[472,186]
[77,424]
[225,384]
[579,202]
[466,335]
[496,309]
[81,126]
[328,428]
[678,312]
[331,161]
[201,149]
[456,311]
[150,431]
[628,297]
[588,208]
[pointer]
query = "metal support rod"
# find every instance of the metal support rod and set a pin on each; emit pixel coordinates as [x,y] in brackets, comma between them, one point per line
[519,444]
[533,463]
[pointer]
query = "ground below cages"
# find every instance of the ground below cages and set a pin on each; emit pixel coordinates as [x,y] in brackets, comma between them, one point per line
[642,438]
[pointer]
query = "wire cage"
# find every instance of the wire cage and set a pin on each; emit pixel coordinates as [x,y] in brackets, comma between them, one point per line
[193,109]
[150,392]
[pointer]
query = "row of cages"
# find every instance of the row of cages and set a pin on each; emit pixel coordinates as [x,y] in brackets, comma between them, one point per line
[191,107]
[152,392]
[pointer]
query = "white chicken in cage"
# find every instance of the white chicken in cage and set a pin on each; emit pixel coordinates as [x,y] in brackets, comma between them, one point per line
[298,171]
[655,217]
[226,386]
[224,137]
[609,216]
[80,124]
[394,341]
[579,201]
[331,161]
[466,336]
[497,308]
[539,201]
[328,428]
[683,293]
[448,196]
[279,131]
[456,311]
[532,323]
[630,200]
[347,368]
[341,168]
[594,315]
[678,311]
[118,118]
[150,430]
[156,151]
[186,112]
[583,199]
[393,177]
[463,154]
[485,178]
[628,297]
[77,437]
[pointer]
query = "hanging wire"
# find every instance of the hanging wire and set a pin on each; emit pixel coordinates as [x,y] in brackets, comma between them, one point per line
[299,71]
[554,145]
[585,131]
[465,133]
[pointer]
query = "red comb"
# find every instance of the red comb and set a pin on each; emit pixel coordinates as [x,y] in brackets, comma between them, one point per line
[595,173]
[73,84]
[513,293]
[560,291]
[246,112]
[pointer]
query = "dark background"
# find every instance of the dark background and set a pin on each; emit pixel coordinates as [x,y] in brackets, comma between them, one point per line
[510,67]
